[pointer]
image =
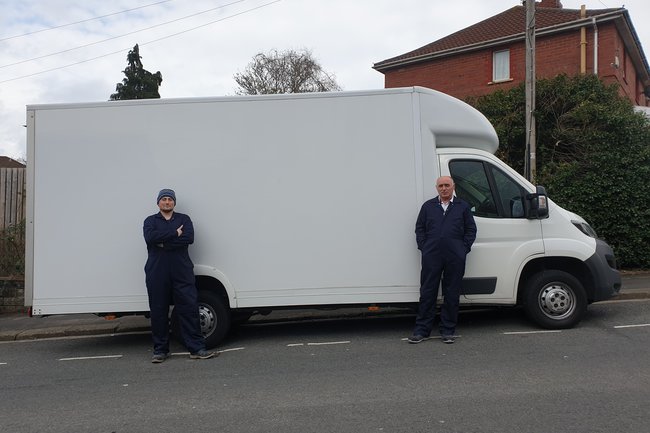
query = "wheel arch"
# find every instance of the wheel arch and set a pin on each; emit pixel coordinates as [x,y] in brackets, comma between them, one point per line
[577,268]
[211,279]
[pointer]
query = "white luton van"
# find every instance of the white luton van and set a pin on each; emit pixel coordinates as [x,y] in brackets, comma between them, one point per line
[303,200]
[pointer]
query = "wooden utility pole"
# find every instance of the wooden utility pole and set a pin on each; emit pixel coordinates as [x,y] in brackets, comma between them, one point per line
[531,160]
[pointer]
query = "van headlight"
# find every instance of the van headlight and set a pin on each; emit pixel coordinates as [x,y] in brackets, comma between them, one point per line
[585,228]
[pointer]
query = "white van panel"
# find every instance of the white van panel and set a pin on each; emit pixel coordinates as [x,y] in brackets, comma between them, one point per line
[295,199]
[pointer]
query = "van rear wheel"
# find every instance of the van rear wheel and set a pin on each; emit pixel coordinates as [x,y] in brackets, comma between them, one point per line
[214,316]
[555,299]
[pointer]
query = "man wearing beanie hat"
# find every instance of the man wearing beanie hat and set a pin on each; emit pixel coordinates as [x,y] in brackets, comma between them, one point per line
[166,193]
[170,276]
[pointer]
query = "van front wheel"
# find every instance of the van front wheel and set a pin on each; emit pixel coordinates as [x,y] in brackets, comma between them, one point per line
[555,299]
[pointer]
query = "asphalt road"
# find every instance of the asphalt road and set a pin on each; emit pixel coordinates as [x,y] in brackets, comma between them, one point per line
[502,375]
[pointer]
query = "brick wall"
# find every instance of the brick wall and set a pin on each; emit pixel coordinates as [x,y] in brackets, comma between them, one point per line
[470,74]
[460,76]
[12,295]
[611,46]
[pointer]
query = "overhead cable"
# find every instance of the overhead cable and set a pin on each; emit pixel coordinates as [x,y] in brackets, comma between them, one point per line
[145,43]
[120,36]
[82,21]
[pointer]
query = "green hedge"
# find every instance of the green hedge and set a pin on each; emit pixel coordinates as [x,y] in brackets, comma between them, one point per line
[593,155]
[12,250]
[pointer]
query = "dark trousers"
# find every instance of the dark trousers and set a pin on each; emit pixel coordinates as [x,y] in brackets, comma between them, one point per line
[435,267]
[167,283]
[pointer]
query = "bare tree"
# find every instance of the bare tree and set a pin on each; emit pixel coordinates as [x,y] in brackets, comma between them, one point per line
[284,72]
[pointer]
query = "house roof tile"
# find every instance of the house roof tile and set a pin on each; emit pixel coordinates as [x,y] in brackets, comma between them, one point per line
[506,24]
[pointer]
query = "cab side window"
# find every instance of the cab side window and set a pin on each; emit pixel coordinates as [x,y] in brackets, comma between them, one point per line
[472,185]
[510,194]
[490,192]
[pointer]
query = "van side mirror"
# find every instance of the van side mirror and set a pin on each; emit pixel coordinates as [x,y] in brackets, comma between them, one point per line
[537,204]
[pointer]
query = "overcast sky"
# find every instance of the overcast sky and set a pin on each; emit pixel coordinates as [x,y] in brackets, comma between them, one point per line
[198,45]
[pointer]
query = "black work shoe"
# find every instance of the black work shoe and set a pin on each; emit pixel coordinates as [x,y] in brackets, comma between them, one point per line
[416,338]
[448,339]
[157,358]
[203,354]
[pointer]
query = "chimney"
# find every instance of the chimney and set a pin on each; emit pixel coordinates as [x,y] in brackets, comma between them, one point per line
[555,4]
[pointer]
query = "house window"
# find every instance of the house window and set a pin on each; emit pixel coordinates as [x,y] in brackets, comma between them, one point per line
[501,65]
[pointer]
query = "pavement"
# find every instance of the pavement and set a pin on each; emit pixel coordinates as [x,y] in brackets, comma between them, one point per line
[19,326]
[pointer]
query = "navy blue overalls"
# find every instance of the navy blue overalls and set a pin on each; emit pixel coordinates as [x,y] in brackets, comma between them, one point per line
[170,278]
[444,238]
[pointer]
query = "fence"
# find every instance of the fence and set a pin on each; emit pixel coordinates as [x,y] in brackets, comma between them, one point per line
[12,217]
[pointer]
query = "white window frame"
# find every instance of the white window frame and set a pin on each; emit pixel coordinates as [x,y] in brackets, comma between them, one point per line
[501,66]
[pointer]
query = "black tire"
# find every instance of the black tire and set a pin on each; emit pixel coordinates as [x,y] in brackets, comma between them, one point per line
[215,317]
[555,300]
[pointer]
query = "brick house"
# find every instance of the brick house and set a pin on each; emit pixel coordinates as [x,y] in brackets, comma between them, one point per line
[490,55]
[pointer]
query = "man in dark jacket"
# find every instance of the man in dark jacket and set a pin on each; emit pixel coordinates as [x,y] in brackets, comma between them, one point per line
[170,277]
[445,231]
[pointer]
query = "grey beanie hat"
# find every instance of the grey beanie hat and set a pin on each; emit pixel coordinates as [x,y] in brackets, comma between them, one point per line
[166,193]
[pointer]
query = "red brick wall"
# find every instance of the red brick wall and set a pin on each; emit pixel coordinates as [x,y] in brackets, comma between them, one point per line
[470,74]
[611,46]
[460,76]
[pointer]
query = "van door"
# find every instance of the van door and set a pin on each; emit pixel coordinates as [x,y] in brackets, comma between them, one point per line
[506,239]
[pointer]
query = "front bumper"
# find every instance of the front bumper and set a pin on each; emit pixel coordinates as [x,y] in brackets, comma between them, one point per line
[606,278]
